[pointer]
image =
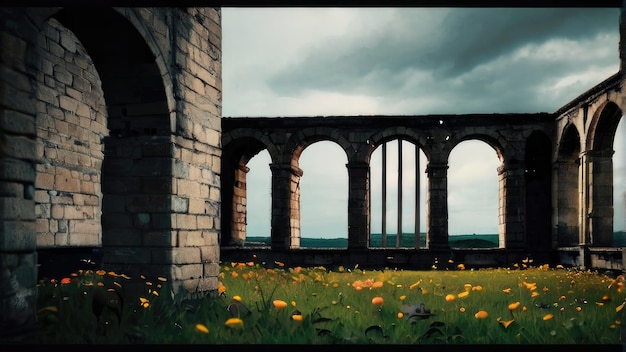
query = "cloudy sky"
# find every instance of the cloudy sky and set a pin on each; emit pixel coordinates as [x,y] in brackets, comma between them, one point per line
[408,61]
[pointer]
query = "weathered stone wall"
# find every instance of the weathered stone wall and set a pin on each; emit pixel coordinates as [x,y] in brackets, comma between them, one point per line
[110,137]
[71,124]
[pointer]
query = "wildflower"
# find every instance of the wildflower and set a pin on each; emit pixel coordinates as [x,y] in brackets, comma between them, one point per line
[162,279]
[467,287]
[415,284]
[461,266]
[481,314]
[450,298]
[477,288]
[280,304]
[101,272]
[377,301]
[234,323]
[620,307]
[403,297]
[297,317]
[548,316]
[462,309]
[202,328]
[514,306]
[279,263]
[400,315]
[534,294]
[237,298]
[463,294]
[144,302]
[505,323]
[221,289]
[507,290]
[578,309]
[65,280]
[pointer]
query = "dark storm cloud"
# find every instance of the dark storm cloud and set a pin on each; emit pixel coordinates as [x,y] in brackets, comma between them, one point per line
[449,45]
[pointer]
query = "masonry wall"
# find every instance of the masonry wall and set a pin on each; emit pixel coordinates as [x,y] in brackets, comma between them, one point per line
[71,125]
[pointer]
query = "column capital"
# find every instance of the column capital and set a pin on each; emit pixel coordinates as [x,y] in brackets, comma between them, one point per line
[286,167]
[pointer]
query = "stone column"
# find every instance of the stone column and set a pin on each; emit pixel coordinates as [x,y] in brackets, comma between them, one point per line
[512,206]
[437,212]
[600,212]
[565,202]
[285,206]
[358,205]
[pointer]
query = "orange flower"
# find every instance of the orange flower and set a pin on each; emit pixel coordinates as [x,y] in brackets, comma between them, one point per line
[450,298]
[548,316]
[481,314]
[377,301]
[400,315]
[514,306]
[65,280]
[463,294]
[202,328]
[280,304]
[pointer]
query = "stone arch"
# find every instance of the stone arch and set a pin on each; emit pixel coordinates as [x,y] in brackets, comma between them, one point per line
[538,208]
[237,152]
[601,137]
[567,207]
[137,185]
[286,181]
[491,140]
[380,139]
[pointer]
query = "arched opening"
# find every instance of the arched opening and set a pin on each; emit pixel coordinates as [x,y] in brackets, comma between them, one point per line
[568,202]
[245,165]
[323,196]
[473,189]
[600,216]
[259,199]
[137,182]
[538,177]
[398,195]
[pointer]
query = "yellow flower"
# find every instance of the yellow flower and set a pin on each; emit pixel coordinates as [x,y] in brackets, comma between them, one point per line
[237,298]
[477,288]
[481,314]
[202,328]
[620,307]
[234,323]
[415,284]
[507,290]
[450,298]
[534,294]
[467,287]
[463,294]
[514,306]
[377,301]
[400,315]
[280,304]
[462,309]
[548,316]
[279,263]
[505,323]
[402,297]
[297,317]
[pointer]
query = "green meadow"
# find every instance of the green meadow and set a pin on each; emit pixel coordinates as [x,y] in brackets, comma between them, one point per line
[527,303]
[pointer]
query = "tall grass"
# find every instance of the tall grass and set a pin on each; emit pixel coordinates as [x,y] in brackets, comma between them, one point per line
[524,304]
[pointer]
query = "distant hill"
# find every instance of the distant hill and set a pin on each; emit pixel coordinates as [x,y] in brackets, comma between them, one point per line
[460,241]
[457,241]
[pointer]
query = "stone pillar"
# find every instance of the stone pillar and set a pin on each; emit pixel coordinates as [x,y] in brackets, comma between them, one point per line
[512,206]
[600,211]
[285,206]
[18,157]
[358,205]
[566,203]
[437,212]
